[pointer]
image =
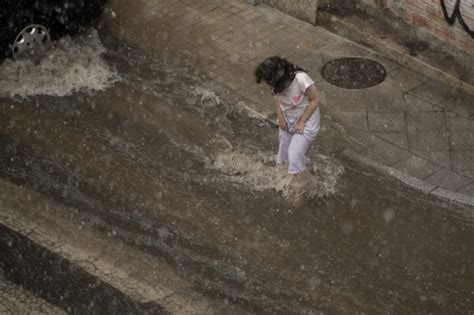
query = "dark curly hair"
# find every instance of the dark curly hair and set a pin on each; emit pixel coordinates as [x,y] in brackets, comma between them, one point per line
[276,72]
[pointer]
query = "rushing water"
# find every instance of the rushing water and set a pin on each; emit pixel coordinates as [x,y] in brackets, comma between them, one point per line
[16,300]
[170,161]
[67,66]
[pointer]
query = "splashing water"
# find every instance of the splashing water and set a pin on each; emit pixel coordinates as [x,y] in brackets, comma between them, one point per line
[72,64]
[259,171]
[207,97]
[327,173]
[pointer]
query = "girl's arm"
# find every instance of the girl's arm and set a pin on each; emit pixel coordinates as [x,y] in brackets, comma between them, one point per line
[313,94]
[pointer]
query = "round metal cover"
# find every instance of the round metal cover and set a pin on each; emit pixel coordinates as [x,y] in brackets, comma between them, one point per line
[353,73]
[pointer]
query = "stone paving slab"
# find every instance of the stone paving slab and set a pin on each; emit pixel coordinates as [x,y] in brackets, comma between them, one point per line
[354,119]
[343,49]
[461,104]
[431,140]
[462,160]
[383,151]
[423,125]
[468,174]
[415,104]
[406,79]
[462,140]
[459,123]
[468,190]
[389,65]
[417,167]
[433,92]
[386,122]
[426,121]
[397,138]
[441,158]
[448,179]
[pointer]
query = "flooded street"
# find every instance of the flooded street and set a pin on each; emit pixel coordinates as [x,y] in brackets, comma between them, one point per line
[165,160]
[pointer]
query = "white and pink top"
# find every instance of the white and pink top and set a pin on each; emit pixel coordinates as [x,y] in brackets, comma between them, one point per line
[293,102]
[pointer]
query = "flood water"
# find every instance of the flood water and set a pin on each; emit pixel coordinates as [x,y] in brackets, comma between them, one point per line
[168,161]
[16,300]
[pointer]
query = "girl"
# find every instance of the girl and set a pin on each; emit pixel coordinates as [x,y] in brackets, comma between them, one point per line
[296,105]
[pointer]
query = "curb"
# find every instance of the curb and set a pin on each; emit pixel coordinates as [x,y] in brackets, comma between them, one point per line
[411,181]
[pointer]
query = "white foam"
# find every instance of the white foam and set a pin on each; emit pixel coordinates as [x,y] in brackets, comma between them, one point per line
[207,97]
[256,170]
[72,64]
[327,173]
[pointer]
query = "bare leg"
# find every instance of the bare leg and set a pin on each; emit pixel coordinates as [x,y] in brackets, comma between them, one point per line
[300,181]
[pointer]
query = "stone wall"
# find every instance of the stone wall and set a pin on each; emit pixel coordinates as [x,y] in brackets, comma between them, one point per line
[428,17]
[302,9]
[425,16]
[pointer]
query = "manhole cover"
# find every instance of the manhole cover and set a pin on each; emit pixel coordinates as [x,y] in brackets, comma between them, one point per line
[353,73]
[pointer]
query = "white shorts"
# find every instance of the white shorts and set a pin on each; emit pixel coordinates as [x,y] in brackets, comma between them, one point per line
[293,146]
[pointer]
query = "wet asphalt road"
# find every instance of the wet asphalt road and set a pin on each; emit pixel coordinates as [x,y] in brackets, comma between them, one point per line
[139,160]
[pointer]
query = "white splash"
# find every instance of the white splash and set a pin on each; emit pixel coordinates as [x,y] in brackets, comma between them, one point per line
[259,171]
[327,173]
[72,64]
[207,97]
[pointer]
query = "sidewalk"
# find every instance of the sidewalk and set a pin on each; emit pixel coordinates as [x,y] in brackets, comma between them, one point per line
[409,124]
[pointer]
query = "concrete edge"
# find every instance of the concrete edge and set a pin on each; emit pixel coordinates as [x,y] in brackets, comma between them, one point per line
[411,181]
[398,55]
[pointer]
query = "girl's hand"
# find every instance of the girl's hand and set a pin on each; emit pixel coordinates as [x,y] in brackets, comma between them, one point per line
[282,122]
[299,126]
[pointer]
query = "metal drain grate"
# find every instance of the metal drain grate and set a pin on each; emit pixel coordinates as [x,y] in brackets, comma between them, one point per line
[353,73]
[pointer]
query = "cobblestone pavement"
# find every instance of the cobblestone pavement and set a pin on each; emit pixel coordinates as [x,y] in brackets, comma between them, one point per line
[411,124]
[15,300]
